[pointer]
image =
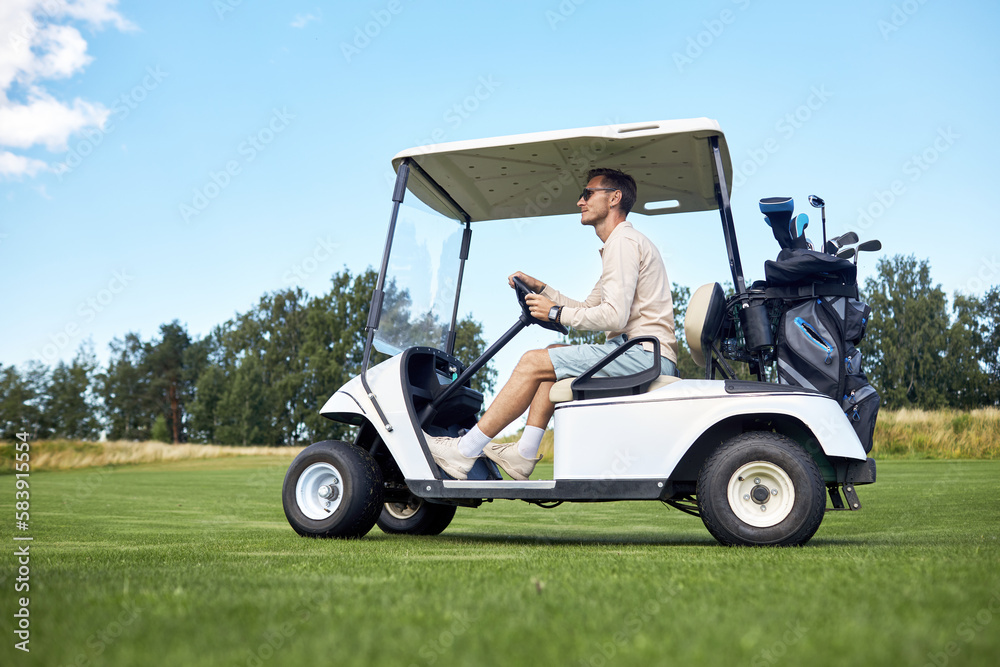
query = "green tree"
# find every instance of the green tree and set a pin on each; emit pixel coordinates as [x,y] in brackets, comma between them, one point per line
[469,346]
[125,390]
[22,396]
[160,431]
[70,401]
[990,356]
[333,348]
[906,341]
[963,367]
[168,379]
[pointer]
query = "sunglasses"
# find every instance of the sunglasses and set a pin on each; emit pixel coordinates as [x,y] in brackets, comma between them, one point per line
[585,196]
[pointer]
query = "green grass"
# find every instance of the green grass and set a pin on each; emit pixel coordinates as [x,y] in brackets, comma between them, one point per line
[193,563]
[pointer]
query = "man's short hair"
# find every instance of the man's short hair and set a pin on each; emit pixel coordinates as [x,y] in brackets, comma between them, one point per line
[619,180]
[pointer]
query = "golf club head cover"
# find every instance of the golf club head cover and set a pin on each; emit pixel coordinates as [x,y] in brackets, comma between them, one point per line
[778,215]
[799,224]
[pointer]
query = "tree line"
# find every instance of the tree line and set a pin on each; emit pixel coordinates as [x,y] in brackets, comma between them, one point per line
[260,377]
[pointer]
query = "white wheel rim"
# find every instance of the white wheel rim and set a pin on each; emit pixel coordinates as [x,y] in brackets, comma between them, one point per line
[403,511]
[746,492]
[319,491]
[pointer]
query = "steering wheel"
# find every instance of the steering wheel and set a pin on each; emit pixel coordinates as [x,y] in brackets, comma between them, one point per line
[522,291]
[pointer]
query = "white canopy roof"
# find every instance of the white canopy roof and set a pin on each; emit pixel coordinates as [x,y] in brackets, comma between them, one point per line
[543,173]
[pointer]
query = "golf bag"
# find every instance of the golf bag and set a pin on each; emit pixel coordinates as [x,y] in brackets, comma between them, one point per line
[822,321]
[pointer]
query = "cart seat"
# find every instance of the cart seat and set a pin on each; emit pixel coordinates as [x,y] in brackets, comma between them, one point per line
[703,321]
[561,391]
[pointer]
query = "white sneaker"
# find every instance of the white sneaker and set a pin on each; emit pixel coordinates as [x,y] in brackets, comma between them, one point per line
[506,455]
[446,454]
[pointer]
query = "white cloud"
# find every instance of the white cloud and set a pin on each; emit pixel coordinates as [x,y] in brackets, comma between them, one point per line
[38,42]
[17,165]
[302,20]
[47,121]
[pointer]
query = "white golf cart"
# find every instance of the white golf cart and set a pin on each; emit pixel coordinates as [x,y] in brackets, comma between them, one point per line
[753,459]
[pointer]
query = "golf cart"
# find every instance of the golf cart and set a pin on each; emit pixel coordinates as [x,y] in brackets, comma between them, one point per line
[754,459]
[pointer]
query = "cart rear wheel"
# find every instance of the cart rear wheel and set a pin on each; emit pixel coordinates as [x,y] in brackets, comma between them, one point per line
[761,488]
[332,489]
[416,517]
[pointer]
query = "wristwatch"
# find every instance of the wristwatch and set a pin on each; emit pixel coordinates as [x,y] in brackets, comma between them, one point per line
[555,312]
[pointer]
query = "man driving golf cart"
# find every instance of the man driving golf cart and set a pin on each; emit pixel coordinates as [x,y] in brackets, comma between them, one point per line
[631,298]
[754,459]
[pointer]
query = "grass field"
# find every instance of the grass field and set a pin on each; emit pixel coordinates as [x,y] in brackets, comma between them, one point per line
[193,563]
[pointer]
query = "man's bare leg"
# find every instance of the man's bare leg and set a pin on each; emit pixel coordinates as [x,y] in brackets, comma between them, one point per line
[528,387]
[523,390]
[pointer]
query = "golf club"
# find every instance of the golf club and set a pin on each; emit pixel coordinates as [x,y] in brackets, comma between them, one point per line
[821,205]
[868,246]
[847,253]
[833,245]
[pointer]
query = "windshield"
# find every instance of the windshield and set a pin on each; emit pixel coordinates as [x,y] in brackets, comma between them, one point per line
[420,281]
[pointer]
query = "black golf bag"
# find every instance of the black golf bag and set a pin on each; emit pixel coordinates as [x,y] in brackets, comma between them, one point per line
[821,324]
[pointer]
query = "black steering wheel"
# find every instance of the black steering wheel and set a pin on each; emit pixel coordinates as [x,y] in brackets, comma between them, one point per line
[522,291]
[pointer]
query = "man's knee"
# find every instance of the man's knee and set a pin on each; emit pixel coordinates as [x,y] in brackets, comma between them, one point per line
[537,363]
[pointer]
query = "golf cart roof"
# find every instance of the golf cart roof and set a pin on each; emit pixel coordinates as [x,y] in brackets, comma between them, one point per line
[543,173]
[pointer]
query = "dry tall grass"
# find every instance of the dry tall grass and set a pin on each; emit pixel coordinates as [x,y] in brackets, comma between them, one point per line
[938,434]
[912,434]
[70,454]
[902,434]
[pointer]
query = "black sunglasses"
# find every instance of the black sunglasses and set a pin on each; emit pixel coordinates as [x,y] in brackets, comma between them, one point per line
[585,196]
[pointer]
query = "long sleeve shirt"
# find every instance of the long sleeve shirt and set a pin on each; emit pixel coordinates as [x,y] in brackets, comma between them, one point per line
[632,296]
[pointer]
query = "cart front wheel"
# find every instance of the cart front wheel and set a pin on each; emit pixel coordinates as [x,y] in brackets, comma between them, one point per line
[332,489]
[761,488]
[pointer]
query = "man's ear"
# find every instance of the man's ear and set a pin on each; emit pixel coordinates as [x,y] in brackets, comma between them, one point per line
[615,202]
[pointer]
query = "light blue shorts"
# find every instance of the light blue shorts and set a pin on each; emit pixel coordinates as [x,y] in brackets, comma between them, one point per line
[573,360]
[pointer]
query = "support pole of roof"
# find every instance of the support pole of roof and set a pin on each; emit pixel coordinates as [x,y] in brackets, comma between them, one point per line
[726,211]
[463,255]
[375,310]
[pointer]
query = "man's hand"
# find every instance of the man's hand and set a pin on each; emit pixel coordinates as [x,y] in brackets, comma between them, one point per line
[539,306]
[533,283]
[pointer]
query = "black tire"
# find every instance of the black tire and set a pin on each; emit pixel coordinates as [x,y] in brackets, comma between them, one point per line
[353,481]
[761,469]
[416,517]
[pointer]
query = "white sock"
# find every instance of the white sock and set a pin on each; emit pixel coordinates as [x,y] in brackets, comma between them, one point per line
[531,439]
[473,442]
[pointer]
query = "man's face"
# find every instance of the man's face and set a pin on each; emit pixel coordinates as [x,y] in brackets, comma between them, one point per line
[597,207]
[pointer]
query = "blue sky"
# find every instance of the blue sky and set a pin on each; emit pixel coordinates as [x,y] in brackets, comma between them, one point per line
[164,161]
